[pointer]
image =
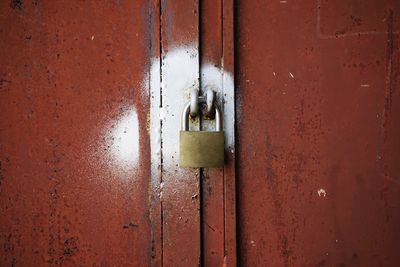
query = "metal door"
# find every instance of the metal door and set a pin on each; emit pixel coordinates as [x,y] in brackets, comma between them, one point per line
[74,143]
[91,93]
[91,96]
[318,133]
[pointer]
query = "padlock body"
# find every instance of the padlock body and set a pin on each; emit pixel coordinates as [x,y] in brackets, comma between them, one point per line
[201,149]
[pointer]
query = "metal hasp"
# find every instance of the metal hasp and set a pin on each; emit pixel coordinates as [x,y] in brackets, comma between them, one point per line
[201,149]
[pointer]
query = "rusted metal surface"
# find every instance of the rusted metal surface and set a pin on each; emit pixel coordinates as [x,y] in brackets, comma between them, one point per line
[318,127]
[155,211]
[218,188]
[74,143]
[212,179]
[228,45]
[180,193]
[82,183]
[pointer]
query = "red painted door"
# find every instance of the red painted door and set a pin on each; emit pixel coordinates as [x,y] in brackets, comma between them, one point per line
[318,133]
[91,96]
[74,143]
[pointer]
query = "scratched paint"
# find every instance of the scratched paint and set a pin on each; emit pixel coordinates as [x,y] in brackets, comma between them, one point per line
[328,27]
[321,192]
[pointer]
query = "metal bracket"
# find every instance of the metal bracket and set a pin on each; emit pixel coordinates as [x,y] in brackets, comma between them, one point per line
[195,99]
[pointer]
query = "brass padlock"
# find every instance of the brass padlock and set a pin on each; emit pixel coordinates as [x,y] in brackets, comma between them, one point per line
[200,149]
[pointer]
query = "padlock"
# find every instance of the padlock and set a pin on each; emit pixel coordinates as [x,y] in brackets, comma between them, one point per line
[201,149]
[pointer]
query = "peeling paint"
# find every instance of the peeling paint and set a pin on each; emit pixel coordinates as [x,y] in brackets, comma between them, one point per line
[321,192]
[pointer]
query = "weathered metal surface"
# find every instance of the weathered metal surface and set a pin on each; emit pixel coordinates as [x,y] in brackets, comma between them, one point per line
[74,143]
[218,185]
[180,193]
[228,44]
[318,127]
[155,211]
[212,179]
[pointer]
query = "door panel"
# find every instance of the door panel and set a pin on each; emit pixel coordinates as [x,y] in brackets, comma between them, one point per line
[218,185]
[74,143]
[212,180]
[318,152]
[196,206]
[180,187]
[92,94]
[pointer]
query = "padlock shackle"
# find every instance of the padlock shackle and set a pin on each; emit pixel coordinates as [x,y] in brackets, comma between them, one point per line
[185,118]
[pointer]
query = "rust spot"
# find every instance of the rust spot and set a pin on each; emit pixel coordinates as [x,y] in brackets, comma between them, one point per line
[16,5]
[389,87]
[285,250]
[1,173]
[4,82]
[207,115]
[389,60]
[70,247]
[340,32]
[356,20]
[130,225]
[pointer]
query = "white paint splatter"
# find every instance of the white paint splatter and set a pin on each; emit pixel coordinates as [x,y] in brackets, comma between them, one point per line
[155,124]
[92,37]
[222,83]
[364,85]
[123,138]
[179,77]
[321,192]
[291,75]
